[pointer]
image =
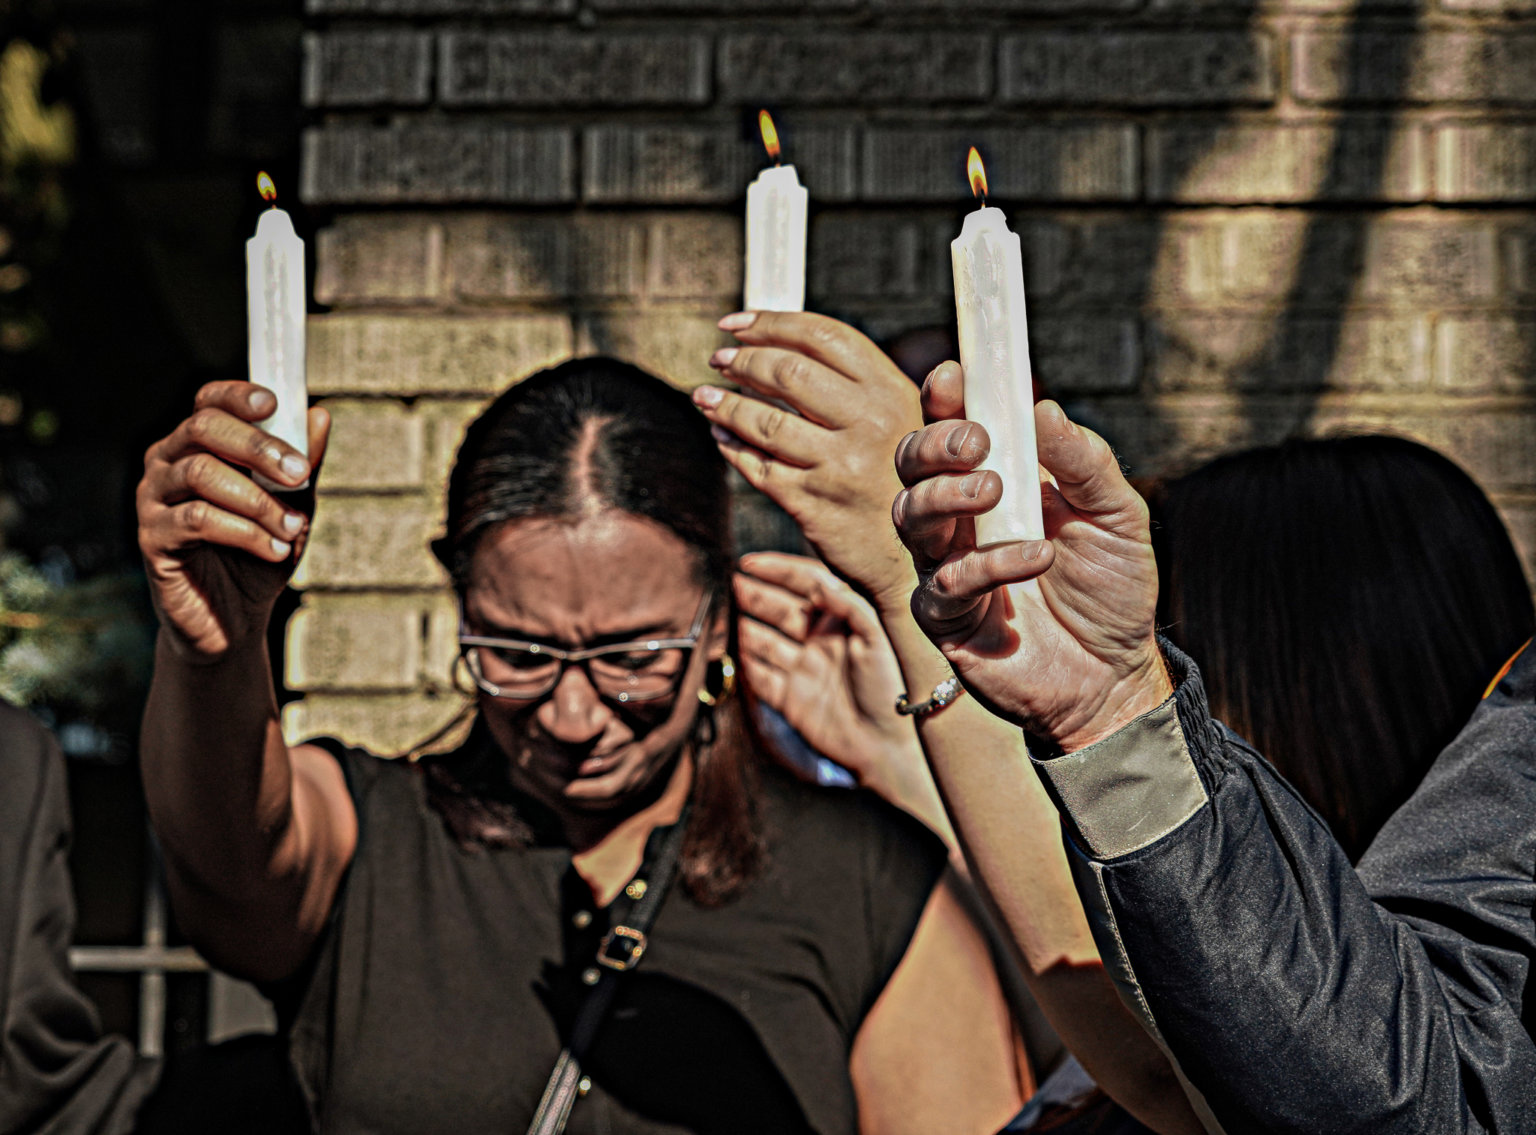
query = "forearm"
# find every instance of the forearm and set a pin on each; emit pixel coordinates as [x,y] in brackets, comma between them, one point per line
[216,772]
[1005,821]
[1011,835]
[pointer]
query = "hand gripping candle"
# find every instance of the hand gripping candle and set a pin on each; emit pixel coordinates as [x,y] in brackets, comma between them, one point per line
[994,353]
[776,213]
[274,288]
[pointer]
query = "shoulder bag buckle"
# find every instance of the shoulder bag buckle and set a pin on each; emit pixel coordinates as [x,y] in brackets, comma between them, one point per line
[622,948]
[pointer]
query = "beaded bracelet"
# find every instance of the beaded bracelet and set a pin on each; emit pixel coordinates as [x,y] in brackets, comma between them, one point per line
[944,693]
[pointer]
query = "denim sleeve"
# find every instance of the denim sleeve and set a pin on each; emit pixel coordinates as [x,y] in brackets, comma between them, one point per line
[1294,993]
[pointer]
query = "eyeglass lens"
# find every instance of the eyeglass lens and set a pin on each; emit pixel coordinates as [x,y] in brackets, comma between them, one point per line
[627,673]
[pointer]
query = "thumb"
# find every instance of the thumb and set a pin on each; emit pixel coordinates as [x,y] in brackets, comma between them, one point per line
[1084,467]
[951,603]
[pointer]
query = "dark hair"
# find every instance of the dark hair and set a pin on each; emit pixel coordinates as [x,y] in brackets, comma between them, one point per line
[1348,600]
[597,432]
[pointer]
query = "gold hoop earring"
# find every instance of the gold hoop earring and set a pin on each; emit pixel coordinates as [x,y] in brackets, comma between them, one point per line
[726,685]
[463,681]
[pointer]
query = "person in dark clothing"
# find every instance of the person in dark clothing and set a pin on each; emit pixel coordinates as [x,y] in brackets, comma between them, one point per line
[1296,993]
[58,1072]
[430,926]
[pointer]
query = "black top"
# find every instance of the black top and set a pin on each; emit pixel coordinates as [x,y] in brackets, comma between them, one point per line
[442,992]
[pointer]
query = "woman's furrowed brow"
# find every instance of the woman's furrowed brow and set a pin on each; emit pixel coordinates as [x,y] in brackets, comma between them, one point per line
[640,633]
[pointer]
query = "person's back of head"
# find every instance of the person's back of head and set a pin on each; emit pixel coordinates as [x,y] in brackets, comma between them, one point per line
[1348,599]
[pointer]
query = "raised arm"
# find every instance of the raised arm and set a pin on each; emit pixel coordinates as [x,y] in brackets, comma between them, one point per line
[1233,920]
[831,469]
[256,836]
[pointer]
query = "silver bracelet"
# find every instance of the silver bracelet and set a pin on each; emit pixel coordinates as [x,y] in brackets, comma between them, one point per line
[944,693]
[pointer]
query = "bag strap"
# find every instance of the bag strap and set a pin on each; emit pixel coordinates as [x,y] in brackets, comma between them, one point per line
[620,951]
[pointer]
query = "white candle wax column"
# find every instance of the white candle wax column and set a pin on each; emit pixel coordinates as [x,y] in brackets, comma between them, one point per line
[776,215]
[994,353]
[274,278]
[777,205]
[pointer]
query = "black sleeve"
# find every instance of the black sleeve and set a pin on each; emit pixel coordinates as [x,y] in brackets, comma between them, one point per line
[359,768]
[902,863]
[1290,996]
[57,1071]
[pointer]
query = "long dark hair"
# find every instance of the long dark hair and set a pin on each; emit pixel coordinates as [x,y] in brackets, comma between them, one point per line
[645,451]
[1348,600]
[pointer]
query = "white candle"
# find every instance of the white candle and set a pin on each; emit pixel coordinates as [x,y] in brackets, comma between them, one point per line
[274,285]
[777,205]
[994,353]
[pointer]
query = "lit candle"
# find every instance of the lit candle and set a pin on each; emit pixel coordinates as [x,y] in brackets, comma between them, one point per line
[274,289]
[776,212]
[994,353]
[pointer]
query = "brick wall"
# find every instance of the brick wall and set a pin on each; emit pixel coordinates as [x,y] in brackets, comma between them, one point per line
[1240,219]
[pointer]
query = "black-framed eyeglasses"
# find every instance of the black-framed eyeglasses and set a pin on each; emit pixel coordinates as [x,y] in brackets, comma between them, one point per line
[641,671]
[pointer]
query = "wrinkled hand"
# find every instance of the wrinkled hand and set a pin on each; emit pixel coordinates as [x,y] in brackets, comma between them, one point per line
[829,466]
[813,650]
[218,547]
[1075,658]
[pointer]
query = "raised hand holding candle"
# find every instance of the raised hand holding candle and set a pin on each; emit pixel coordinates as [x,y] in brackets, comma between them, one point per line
[776,214]
[274,287]
[994,353]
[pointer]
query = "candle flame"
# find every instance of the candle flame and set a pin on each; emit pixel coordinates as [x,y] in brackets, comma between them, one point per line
[770,135]
[977,173]
[265,187]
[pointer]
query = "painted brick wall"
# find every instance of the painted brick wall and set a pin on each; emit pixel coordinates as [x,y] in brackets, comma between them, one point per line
[1240,219]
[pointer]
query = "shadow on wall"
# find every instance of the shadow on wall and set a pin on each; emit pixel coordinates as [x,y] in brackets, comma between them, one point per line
[1253,315]
[1331,261]
[1384,298]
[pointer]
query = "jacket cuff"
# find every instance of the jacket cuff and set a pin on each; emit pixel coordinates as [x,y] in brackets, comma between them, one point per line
[1135,786]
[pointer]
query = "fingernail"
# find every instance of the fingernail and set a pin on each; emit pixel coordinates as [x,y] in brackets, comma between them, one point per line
[292,523]
[261,401]
[972,484]
[708,396]
[721,435]
[281,547]
[954,444]
[722,358]
[929,377]
[739,321]
[295,466]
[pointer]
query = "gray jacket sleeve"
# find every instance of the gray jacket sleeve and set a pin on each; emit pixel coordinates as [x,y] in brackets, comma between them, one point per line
[1296,994]
[58,1074]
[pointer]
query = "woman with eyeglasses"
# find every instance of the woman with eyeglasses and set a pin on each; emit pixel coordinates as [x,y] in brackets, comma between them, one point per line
[601,911]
